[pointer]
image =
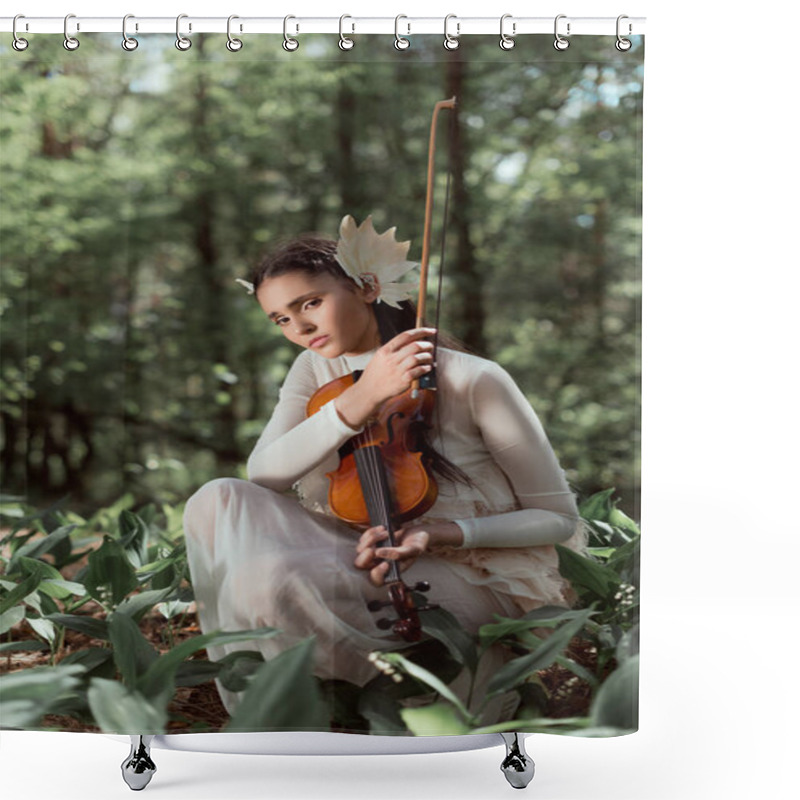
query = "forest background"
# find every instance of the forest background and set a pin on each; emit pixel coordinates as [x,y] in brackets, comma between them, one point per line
[139,186]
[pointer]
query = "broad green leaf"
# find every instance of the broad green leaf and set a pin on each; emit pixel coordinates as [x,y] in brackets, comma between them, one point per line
[172,608]
[438,719]
[133,537]
[582,572]
[90,658]
[110,576]
[96,628]
[35,548]
[237,667]
[442,625]
[10,618]
[117,709]
[428,678]
[616,704]
[26,644]
[160,677]
[598,506]
[61,589]
[133,654]
[283,695]
[26,696]
[45,628]
[137,605]
[514,672]
[382,711]
[193,673]
[544,617]
[22,590]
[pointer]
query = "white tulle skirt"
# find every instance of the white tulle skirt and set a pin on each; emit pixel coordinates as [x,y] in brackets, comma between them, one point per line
[258,558]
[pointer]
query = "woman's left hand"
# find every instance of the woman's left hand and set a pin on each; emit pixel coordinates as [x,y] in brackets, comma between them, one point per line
[411,542]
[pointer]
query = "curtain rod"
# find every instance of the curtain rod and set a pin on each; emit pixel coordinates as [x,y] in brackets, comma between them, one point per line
[347,25]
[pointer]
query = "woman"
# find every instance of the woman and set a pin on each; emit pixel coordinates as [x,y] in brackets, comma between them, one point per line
[258,557]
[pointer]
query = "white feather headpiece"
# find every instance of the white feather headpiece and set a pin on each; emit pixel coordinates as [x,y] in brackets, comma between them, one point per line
[366,255]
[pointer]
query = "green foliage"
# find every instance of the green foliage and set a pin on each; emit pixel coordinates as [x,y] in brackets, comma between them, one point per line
[136,190]
[125,684]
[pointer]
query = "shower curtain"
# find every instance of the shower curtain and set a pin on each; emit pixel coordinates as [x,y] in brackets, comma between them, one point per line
[136,370]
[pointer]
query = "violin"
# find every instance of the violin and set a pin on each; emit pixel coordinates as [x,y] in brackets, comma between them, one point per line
[383,477]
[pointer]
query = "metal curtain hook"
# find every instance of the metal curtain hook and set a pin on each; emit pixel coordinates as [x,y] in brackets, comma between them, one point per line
[19,44]
[234,45]
[451,42]
[70,42]
[623,45]
[344,42]
[560,42]
[507,41]
[399,42]
[289,44]
[181,42]
[128,42]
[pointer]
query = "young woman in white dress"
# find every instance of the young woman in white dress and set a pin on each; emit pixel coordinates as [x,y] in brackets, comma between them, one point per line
[268,551]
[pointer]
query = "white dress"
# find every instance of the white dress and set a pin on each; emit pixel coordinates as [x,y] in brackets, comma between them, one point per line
[259,557]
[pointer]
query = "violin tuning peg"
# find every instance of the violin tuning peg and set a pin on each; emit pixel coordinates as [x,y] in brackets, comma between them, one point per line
[421,586]
[384,624]
[377,605]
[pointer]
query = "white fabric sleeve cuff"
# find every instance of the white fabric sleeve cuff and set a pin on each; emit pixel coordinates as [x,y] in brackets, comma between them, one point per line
[527,527]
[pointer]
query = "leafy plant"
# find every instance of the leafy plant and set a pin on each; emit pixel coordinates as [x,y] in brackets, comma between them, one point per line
[130,568]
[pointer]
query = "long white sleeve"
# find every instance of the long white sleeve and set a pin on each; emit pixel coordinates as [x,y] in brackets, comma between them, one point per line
[291,445]
[516,440]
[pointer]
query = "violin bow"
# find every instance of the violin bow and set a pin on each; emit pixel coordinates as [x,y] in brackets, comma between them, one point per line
[429,381]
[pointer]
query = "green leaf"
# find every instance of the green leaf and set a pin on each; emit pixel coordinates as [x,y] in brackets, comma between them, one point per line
[382,711]
[428,678]
[282,695]
[44,628]
[442,625]
[237,668]
[12,617]
[514,672]
[160,677]
[137,605]
[598,506]
[584,573]
[133,537]
[110,576]
[117,709]
[616,704]
[22,590]
[35,548]
[438,719]
[90,659]
[61,589]
[96,628]
[193,673]
[26,644]
[544,617]
[133,654]
[26,696]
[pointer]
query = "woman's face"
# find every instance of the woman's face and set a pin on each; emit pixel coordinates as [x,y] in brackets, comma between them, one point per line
[321,313]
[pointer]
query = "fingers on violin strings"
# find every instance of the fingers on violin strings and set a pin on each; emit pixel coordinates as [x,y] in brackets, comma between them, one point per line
[371,537]
[378,574]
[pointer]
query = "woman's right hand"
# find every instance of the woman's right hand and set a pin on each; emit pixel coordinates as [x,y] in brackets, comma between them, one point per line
[390,372]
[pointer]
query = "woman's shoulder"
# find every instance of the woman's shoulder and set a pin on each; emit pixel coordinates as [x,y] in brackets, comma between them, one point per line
[463,369]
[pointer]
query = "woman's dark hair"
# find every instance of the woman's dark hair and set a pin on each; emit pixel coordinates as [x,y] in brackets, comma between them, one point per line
[315,254]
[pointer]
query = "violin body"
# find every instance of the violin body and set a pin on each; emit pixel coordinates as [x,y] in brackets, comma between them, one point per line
[384,457]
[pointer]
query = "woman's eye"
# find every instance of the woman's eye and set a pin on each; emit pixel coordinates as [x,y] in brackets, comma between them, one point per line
[313,303]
